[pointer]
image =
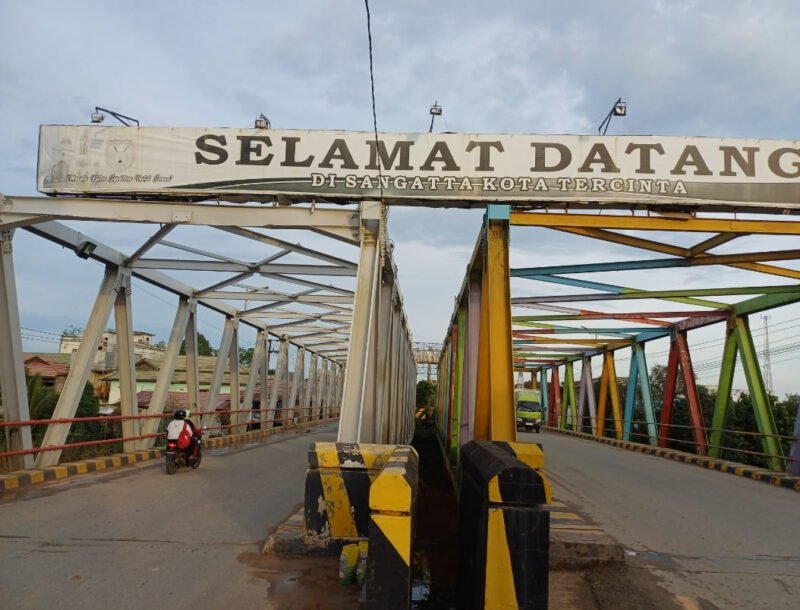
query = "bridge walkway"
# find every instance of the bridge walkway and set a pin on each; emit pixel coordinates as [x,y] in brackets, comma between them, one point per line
[137,538]
[710,537]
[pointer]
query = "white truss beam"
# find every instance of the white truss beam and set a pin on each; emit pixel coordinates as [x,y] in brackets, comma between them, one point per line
[340,223]
[67,406]
[12,367]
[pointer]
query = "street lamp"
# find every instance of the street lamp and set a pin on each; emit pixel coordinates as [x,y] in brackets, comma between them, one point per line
[436,110]
[618,109]
[99,117]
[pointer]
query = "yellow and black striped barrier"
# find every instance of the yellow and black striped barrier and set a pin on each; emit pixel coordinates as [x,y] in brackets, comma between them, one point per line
[337,490]
[392,502]
[504,529]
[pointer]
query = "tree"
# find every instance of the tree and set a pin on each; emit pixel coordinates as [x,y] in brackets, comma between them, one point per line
[42,401]
[72,331]
[203,347]
[426,393]
[246,356]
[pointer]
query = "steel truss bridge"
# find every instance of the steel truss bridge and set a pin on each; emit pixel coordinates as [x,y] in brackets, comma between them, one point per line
[302,297]
[550,335]
[333,305]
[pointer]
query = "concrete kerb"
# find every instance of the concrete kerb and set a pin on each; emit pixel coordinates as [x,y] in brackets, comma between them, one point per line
[25,478]
[735,468]
[576,542]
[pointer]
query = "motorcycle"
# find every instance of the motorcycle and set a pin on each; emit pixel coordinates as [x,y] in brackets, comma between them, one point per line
[177,457]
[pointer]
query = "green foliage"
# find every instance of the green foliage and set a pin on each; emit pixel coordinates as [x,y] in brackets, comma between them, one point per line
[246,356]
[72,331]
[42,402]
[426,393]
[203,347]
[742,441]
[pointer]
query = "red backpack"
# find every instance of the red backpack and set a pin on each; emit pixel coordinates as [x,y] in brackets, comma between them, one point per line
[185,437]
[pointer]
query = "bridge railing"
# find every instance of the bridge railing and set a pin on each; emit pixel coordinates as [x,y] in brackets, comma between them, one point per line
[106,437]
[728,449]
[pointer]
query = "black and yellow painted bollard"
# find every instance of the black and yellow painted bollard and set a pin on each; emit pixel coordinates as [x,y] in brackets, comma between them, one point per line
[357,492]
[337,491]
[504,530]
[392,502]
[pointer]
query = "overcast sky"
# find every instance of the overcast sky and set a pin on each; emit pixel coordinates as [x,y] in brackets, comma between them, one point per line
[716,68]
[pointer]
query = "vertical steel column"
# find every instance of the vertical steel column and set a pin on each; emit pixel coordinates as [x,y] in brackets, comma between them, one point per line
[263,383]
[586,396]
[447,370]
[311,390]
[167,368]
[639,374]
[12,367]
[482,429]
[794,453]
[452,375]
[609,389]
[319,412]
[466,433]
[235,385]
[555,399]
[679,353]
[355,413]
[278,379]
[297,383]
[252,378]
[461,339]
[329,392]
[192,370]
[569,410]
[692,395]
[670,386]
[494,409]
[724,388]
[544,395]
[337,390]
[739,338]
[79,371]
[380,370]
[223,354]
[126,361]
[762,405]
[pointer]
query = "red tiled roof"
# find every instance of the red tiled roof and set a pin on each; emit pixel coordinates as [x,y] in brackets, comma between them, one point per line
[179,400]
[47,368]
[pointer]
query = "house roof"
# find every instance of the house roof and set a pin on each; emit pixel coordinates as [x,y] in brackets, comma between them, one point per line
[147,369]
[46,366]
[180,400]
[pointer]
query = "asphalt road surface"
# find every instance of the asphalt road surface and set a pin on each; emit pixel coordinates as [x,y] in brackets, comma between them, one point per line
[137,538]
[713,539]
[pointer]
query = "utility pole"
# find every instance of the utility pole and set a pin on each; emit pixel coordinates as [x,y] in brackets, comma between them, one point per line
[767,361]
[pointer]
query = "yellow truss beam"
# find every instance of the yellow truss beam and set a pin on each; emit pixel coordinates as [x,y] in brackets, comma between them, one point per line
[651,223]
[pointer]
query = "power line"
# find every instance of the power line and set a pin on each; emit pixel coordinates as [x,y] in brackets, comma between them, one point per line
[372,89]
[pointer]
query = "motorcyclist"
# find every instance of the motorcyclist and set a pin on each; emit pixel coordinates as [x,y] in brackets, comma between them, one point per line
[175,427]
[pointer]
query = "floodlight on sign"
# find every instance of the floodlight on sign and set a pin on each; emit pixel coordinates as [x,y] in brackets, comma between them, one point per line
[436,110]
[99,117]
[85,249]
[262,122]
[618,109]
